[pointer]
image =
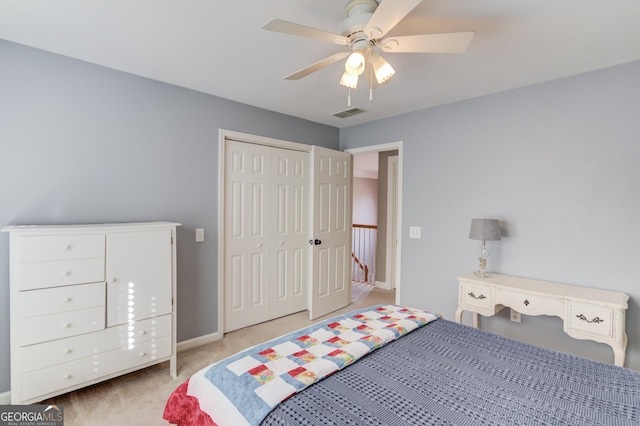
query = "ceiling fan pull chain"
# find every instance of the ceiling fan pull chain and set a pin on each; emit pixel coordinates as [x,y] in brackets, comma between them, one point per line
[349,98]
[371,83]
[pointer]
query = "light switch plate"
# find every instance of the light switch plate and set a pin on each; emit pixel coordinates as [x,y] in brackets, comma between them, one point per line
[199,235]
[415,232]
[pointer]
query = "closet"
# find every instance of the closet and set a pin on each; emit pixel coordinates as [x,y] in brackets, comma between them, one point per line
[266,234]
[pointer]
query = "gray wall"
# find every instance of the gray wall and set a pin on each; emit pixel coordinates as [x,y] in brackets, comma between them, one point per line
[80,143]
[558,163]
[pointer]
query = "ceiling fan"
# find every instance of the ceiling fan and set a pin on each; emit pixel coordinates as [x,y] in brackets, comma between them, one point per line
[363,35]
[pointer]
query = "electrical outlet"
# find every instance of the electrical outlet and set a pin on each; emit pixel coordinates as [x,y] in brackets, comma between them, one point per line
[515,316]
[199,235]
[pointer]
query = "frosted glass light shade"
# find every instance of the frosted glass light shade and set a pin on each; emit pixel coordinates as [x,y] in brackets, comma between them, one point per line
[355,63]
[348,80]
[382,69]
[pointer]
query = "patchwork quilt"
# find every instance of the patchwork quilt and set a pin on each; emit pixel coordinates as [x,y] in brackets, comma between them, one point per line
[244,388]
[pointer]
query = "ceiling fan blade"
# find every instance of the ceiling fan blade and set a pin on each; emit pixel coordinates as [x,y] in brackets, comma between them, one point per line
[286,27]
[387,15]
[317,66]
[428,43]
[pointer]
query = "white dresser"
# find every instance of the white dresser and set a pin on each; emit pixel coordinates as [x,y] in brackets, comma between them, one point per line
[587,313]
[88,303]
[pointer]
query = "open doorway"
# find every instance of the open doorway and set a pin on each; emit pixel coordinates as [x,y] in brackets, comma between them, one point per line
[377,203]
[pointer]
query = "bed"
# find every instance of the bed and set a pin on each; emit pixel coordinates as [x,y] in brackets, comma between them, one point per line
[391,365]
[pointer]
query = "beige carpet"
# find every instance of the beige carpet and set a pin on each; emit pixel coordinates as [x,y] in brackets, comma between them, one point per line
[138,398]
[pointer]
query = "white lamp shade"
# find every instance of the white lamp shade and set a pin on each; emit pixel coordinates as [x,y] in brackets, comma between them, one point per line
[382,69]
[355,63]
[348,80]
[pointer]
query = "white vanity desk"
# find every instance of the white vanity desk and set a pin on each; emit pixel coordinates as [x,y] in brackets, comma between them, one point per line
[587,313]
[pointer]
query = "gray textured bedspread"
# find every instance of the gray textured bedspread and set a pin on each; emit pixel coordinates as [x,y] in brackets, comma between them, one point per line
[450,374]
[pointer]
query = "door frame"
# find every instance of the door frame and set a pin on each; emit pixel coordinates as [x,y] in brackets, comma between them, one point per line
[223,136]
[391,146]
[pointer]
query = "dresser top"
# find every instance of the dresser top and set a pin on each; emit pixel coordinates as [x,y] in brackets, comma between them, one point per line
[548,288]
[57,229]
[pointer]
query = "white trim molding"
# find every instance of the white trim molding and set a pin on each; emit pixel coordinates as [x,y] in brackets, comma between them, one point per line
[391,146]
[198,341]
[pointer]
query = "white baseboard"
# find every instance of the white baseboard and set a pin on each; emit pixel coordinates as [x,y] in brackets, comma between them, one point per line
[384,285]
[198,341]
[5,398]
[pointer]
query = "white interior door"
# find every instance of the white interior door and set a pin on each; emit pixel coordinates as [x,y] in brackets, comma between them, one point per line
[247,215]
[330,218]
[289,231]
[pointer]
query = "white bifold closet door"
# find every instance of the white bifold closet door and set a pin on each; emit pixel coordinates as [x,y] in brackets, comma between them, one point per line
[266,247]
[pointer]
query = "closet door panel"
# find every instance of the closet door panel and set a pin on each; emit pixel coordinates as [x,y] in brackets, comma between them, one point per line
[289,235]
[247,256]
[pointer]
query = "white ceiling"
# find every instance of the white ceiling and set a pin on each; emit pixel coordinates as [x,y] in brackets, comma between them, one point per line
[218,47]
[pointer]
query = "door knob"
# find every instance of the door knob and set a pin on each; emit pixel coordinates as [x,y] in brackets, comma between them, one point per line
[317,242]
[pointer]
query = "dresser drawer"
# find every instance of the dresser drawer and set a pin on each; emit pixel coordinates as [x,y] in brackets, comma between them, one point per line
[61,247]
[74,373]
[590,319]
[530,304]
[64,324]
[478,295]
[59,273]
[72,348]
[61,299]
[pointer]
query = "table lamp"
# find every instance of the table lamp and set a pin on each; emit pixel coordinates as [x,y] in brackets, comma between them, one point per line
[484,230]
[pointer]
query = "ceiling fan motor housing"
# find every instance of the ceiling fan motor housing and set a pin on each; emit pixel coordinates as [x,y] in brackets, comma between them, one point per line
[358,12]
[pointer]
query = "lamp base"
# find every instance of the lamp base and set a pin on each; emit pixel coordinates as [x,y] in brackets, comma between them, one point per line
[482,270]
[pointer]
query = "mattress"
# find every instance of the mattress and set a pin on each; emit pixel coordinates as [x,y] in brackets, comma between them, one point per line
[441,373]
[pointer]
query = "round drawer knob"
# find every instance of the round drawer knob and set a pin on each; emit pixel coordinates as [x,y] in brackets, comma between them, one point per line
[67,376]
[143,332]
[67,299]
[143,354]
[281,243]
[259,244]
[66,273]
[67,247]
[67,351]
[66,325]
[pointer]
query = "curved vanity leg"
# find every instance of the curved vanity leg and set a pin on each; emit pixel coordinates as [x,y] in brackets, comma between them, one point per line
[459,316]
[619,352]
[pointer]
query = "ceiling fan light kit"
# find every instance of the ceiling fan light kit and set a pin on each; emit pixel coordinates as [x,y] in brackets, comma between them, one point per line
[355,63]
[348,80]
[363,32]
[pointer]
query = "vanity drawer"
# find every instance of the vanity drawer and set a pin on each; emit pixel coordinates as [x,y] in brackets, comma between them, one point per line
[72,348]
[37,275]
[478,295]
[64,324]
[40,248]
[530,304]
[61,299]
[63,376]
[590,319]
